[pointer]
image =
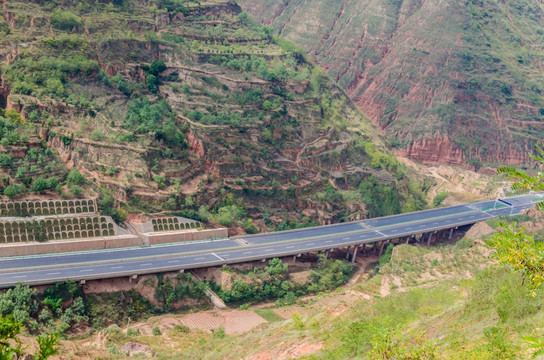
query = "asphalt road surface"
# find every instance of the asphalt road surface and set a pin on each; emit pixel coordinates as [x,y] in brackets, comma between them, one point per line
[51,268]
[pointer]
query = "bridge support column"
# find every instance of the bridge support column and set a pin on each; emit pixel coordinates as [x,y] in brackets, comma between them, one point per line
[82,282]
[363,247]
[354,254]
[451,233]
[381,248]
[326,254]
[181,271]
[347,252]
[132,277]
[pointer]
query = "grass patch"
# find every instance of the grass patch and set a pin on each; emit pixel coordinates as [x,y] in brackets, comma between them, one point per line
[269,315]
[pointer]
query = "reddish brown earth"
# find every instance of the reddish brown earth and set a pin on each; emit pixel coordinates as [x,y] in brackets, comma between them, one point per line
[420,71]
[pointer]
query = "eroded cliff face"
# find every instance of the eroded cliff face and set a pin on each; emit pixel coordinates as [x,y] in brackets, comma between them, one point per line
[434,75]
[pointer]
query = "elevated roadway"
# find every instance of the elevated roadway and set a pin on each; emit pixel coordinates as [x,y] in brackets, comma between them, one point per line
[39,270]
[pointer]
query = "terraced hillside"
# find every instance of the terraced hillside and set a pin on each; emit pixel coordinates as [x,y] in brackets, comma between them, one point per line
[186,107]
[446,81]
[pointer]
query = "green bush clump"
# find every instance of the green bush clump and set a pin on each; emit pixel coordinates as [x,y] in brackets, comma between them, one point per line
[186,287]
[181,329]
[75,178]
[65,20]
[106,206]
[274,283]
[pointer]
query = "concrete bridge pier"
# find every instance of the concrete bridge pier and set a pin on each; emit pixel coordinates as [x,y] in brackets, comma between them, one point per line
[382,245]
[347,252]
[354,256]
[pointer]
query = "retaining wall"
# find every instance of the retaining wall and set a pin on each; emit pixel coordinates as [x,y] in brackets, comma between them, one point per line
[191,235]
[110,242]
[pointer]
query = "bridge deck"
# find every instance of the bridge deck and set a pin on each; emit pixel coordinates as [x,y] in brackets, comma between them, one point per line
[125,262]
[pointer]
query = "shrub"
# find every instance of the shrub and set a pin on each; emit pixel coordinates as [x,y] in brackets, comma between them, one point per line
[98,135]
[181,329]
[74,177]
[219,333]
[151,83]
[157,67]
[439,198]
[76,190]
[156,331]
[39,185]
[13,190]
[133,332]
[65,20]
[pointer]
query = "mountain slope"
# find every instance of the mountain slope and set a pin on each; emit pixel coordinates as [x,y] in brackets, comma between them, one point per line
[190,107]
[446,81]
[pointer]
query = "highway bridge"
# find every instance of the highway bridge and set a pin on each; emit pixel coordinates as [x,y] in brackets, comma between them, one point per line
[418,226]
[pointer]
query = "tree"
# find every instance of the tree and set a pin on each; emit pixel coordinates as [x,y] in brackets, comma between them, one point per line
[151,83]
[276,267]
[512,245]
[157,67]
[75,177]
[11,346]
[39,185]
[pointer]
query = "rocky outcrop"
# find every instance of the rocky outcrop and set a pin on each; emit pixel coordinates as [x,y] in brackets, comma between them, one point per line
[195,144]
[437,151]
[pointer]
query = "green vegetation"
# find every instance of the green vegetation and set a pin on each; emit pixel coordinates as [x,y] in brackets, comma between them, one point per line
[273,283]
[11,346]
[64,306]
[439,198]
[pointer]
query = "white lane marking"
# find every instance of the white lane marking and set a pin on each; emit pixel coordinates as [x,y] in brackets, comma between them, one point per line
[199,258]
[328,241]
[247,252]
[290,247]
[85,270]
[116,267]
[267,250]
[148,264]
[54,273]
[379,232]
[173,261]
[217,256]
[19,276]
[346,238]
